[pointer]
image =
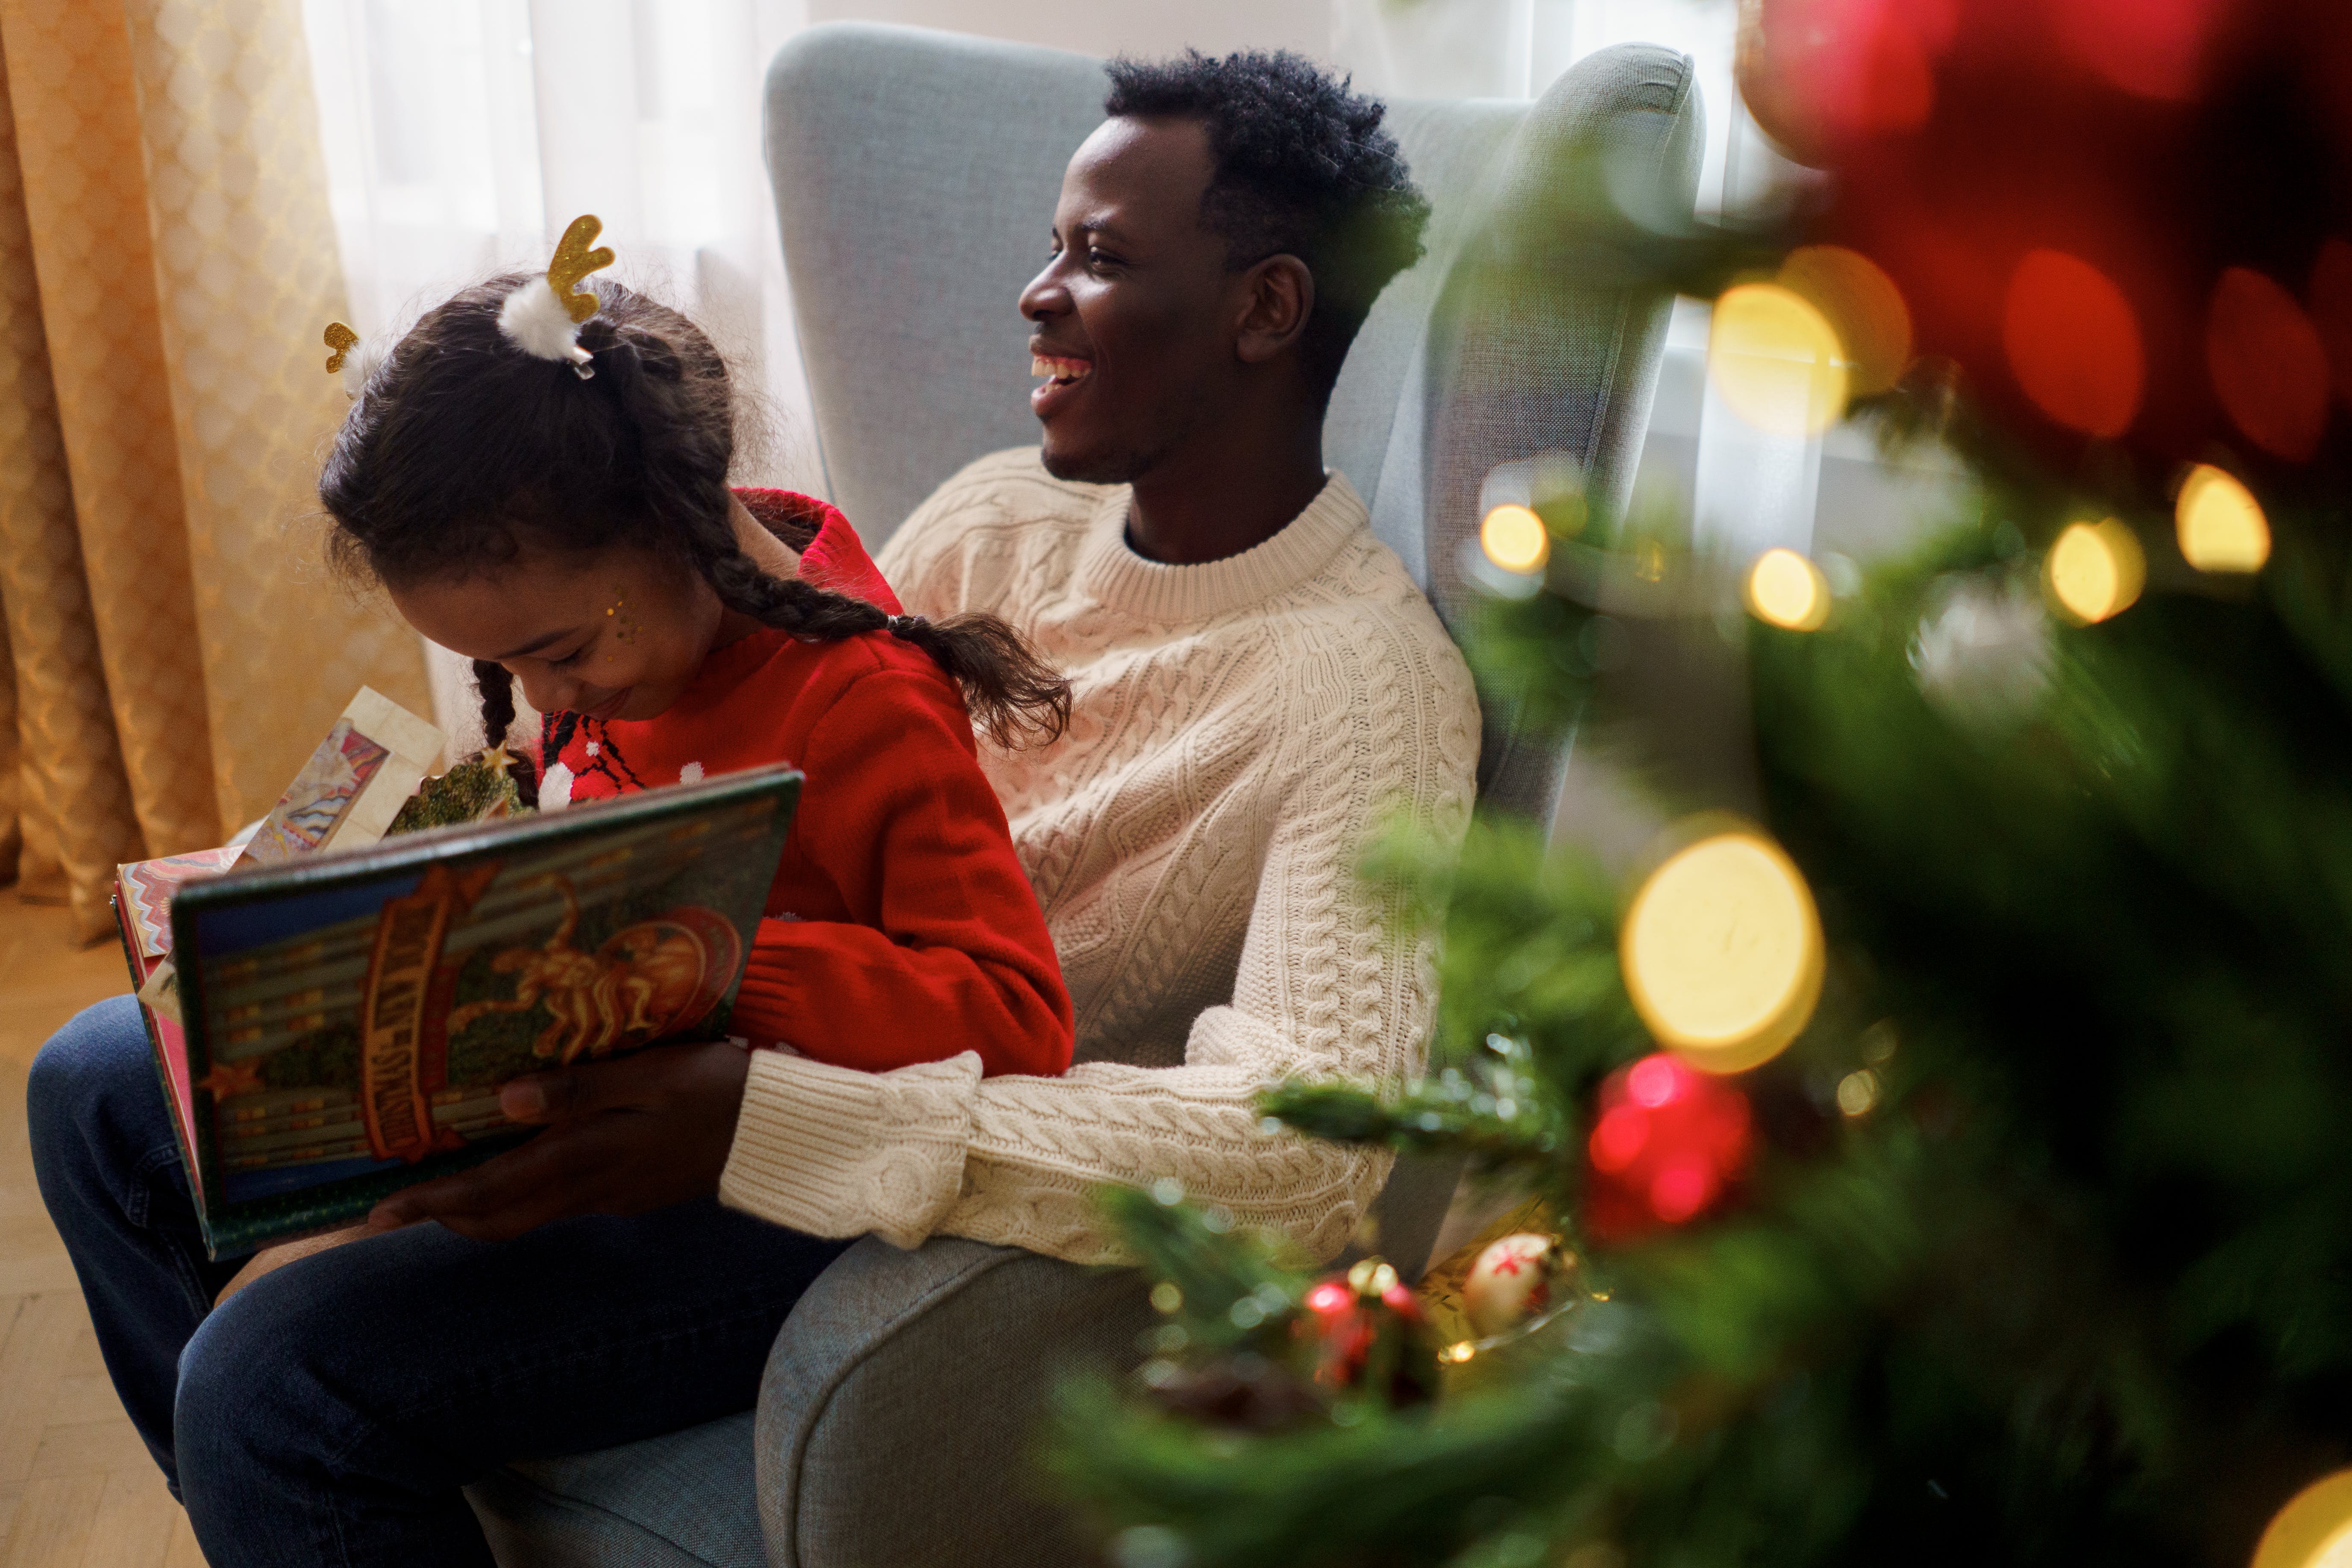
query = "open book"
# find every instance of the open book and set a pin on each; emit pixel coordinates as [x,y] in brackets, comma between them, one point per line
[341,1020]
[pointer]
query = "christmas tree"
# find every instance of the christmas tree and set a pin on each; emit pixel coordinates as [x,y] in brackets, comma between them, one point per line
[1948,1160]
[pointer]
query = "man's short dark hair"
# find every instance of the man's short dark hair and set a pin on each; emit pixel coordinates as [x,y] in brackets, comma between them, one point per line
[1303,169]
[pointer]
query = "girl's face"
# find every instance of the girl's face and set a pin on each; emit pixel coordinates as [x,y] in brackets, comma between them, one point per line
[614,634]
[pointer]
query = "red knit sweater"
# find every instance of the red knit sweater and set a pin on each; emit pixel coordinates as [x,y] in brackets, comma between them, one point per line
[901,926]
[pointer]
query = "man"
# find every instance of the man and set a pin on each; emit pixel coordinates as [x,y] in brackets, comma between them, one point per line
[1257,686]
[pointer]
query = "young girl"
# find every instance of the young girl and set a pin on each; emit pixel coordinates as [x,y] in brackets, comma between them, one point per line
[578,534]
[550,498]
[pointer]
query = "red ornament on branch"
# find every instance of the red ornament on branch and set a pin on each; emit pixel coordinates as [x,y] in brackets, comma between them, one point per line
[1669,1144]
[1365,1332]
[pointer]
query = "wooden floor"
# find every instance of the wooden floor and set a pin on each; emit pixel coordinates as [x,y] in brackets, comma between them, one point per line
[76,1487]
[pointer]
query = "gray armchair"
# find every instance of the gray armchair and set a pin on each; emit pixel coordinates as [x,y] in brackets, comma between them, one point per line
[915,176]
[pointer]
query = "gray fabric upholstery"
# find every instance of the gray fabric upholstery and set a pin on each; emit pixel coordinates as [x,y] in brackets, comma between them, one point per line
[915,175]
[1537,345]
[902,1404]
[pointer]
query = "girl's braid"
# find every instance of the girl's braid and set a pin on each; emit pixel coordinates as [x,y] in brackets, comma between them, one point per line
[1012,695]
[497,686]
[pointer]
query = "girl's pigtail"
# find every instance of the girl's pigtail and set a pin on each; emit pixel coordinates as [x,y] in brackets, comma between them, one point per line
[496,683]
[1016,697]
[1013,695]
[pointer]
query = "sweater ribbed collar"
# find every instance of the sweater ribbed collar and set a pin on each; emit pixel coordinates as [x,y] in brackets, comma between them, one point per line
[1113,575]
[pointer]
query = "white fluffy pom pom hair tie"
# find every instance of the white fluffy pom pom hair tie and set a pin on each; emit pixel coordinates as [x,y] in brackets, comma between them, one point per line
[543,317]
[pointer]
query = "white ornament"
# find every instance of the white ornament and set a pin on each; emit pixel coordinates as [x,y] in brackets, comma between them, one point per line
[690,774]
[1984,655]
[594,747]
[538,323]
[555,789]
[1515,1280]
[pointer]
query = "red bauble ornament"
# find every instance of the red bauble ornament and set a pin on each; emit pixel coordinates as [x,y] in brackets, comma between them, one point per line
[1365,1331]
[1669,1143]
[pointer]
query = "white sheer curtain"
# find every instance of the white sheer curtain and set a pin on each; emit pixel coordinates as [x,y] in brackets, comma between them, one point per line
[462,135]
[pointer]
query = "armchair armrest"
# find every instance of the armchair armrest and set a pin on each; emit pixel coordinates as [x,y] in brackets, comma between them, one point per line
[898,1418]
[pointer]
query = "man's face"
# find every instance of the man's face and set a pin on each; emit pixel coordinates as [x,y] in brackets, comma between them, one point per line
[1135,313]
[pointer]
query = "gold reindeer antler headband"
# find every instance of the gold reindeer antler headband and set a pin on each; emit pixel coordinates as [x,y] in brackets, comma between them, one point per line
[352,358]
[544,318]
[573,260]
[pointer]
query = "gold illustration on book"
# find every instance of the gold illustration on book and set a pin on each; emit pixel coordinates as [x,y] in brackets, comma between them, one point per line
[637,987]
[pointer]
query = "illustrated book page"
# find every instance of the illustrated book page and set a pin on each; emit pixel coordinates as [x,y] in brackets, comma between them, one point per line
[353,784]
[349,1018]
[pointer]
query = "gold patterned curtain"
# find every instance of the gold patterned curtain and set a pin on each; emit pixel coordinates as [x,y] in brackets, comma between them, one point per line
[174,645]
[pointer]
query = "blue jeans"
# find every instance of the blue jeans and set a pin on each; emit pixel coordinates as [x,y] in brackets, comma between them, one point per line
[331,1411]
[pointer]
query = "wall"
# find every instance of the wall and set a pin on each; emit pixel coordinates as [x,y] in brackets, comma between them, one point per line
[1099,28]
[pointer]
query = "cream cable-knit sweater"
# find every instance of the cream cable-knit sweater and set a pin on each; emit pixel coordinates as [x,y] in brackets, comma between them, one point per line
[1239,728]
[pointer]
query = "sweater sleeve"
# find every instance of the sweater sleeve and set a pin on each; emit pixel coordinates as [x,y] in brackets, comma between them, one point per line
[949,953]
[1331,986]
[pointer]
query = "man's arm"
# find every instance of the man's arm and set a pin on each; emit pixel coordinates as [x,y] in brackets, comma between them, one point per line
[1330,986]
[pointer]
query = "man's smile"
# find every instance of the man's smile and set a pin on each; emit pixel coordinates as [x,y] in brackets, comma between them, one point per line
[1063,373]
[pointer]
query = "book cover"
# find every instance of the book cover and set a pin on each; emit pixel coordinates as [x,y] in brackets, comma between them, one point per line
[346,1017]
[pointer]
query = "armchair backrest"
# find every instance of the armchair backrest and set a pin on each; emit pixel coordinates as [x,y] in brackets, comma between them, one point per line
[916,174]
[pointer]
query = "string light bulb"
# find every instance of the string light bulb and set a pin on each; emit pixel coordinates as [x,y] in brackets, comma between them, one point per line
[1722,951]
[1776,359]
[1864,306]
[2221,523]
[2095,571]
[2314,1530]
[1785,590]
[1515,539]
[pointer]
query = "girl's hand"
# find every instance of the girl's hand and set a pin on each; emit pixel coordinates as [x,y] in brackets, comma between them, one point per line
[623,1137]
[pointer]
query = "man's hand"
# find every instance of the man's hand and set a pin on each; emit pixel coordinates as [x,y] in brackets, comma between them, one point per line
[623,1137]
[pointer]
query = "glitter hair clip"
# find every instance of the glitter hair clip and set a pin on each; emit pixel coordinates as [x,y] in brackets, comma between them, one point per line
[543,317]
[354,358]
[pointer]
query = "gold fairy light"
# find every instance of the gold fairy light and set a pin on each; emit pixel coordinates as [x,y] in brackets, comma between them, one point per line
[1722,951]
[1784,589]
[1515,539]
[2095,571]
[1864,308]
[2221,525]
[2314,1530]
[1776,359]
